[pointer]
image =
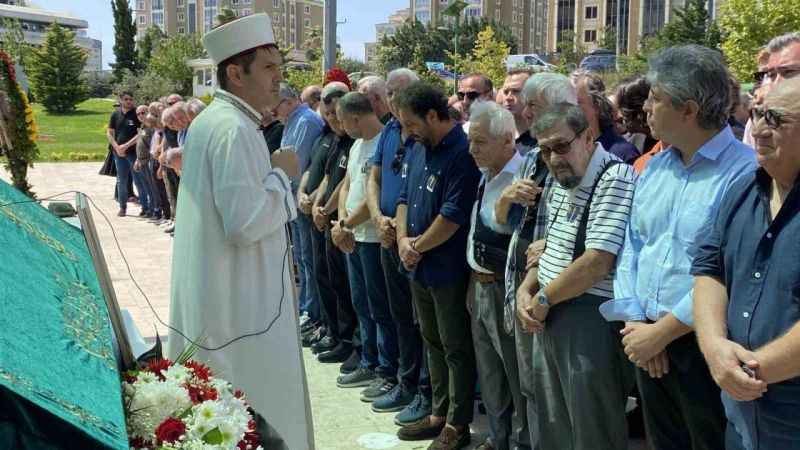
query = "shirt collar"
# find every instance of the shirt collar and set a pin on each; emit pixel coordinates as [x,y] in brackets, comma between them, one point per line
[594,167]
[714,146]
[239,104]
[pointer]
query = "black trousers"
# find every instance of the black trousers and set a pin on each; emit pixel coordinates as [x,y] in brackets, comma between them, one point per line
[161,191]
[346,319]
[327,295]
[682,410]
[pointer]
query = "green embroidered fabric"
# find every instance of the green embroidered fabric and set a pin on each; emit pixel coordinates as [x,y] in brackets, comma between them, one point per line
[56,348]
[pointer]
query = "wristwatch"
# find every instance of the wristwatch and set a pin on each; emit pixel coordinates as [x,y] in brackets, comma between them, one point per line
[543,300]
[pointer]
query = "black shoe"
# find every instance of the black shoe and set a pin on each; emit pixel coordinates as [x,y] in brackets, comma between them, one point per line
[358,378]
[325,344]
[351,363]
[377,389]
[310,325]
[337,355]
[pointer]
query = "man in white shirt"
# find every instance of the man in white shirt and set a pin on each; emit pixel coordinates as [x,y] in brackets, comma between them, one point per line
[492,146]
[355,234]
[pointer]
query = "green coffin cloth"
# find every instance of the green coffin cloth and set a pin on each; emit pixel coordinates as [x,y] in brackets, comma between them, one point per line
[59,382]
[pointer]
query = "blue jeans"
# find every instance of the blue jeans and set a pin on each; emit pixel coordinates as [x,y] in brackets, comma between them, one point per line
[368,292]
[304,258]
[149,183]
[124,171]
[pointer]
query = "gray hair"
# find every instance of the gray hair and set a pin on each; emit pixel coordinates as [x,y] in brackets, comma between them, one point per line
[559,113]
[594,83]
[501,121]
[287,92]
[355,103]
[373,84]
[554,88]
[402,72]
[779,43]
[195,106]
[694,73]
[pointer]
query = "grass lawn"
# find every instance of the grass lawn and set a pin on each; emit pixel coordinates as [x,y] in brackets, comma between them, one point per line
[78,136]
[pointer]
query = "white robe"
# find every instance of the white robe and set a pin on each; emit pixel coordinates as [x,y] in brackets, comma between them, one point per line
[230,267]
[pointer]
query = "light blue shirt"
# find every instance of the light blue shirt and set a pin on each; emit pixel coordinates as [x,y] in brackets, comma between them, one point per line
[674,205]
[302,128]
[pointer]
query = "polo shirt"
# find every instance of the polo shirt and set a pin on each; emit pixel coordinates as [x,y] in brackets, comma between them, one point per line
[390,156]
[442,180]
[321,151]
[608,217]
[758,261]
[358,170]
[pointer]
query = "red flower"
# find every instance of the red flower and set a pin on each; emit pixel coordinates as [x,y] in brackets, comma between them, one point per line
[199,393]
[201,371]
[251,440]
[139,442]
[238,393]
[170,430]
[157,366]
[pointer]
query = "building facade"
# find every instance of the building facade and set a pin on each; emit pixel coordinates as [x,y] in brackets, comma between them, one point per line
[388,28]
[292,20]
[34,23]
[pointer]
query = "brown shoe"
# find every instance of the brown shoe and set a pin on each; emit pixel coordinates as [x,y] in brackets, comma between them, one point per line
[420,430]
[451,439]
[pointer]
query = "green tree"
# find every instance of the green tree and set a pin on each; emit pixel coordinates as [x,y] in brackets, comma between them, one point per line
[55,70]
[488,57]
[12,40]
[351,65]
[147,44]
[124,38]
[608,39]
[747,26]
[692,24]
[170,57]
[570,51]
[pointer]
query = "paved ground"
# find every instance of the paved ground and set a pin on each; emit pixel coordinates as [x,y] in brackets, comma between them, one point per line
[341,420]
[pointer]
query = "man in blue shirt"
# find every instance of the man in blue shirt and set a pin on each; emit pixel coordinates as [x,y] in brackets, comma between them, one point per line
[747,286]
[676,200]
[412,394]
[432,226]
[302,127]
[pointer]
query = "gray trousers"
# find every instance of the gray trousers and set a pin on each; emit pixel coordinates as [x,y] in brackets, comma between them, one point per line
[523,341]
[580,379]
[496,358]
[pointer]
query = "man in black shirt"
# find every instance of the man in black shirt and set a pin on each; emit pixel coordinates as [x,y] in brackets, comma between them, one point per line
[122,133]
[272,129]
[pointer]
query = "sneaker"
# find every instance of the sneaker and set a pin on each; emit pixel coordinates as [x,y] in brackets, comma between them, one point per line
[314,336]
[377,389]
[421,430]
[395,400]
[325,344]
[451,439]
[417,410]
[486,445]
[339,354]
[170,228]
[351,364]
[144,213]
[121,213]
[358,378]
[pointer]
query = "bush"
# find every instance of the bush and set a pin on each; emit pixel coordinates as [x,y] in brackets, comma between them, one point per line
[146,88]
[100,84]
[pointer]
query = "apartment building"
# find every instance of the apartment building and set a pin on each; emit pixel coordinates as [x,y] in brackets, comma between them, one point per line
[388,28]
[292,20]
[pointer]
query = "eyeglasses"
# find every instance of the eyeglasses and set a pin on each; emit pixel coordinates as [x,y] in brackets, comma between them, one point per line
[773,118]
[785,72]
[472,96]
[561,148]
[759,76]
[399,155]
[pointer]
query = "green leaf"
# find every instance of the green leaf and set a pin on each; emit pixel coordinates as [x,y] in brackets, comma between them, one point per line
[213,437]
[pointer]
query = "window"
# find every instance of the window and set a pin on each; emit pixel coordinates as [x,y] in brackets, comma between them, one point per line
[591,12]
[307,23]
[247,2]
[246,12]
[590,36]
[513,18]
[142,20]
[234,2]
[276,4]
[140,5]
[181,30]
[307,9]
[276,19]
[180,2]
[158,18]
[181,17]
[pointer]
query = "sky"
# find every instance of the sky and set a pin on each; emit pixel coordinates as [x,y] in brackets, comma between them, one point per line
[360,15]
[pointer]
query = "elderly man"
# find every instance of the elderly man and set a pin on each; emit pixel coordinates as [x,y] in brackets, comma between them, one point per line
[579,368]
[432,214]
[412,395]
[521,206]
[311,96]
[374,87]
[510,97]
[746,291]
[492,147]
[677,199]
[231,283]
[473,88]
[301,128]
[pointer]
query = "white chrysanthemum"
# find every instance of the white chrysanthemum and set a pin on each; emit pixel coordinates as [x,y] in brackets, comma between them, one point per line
[145,377]
[154,402]
[178,373]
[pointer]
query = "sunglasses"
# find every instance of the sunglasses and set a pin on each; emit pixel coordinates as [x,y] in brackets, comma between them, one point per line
[472,96]
[773,119]
[561,148]
[399,155]
[332,96]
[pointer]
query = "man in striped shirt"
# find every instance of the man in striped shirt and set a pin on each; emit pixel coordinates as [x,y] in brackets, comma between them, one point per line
[581,376]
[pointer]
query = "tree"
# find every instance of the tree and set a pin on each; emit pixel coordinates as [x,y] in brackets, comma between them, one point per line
[570,52]
[55,70]
[488,57]
[351,65]
[147,44]
[124,38]
[12,40]
[170,56]
[146,88]
[692,24]
[608,39]
[747,26]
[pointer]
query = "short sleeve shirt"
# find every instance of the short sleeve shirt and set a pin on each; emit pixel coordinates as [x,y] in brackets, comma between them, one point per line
[336,166]
[321,151]
[125,126]
[358,170]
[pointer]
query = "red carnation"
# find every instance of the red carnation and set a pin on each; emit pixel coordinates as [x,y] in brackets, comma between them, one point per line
[251,440]
[170,430]
[157,366]
[201,371]
[201,393]
[337,74]
[238,393]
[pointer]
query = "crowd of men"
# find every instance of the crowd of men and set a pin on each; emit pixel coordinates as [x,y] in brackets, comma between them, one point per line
[550,244]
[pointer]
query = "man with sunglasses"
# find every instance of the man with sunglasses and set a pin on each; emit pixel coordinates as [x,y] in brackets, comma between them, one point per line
[510,97]
[412,395]
[677,199]
[581,377]
[747,286]
[472,88]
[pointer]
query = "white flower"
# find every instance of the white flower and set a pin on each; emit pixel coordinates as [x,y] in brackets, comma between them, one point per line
[178,373]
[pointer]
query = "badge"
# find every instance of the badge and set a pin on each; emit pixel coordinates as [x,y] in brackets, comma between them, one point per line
[404,171]
[343,162]
[572,213]
[431,185]
[365,167]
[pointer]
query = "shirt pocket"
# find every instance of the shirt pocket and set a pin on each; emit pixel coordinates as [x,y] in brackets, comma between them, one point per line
[694,221]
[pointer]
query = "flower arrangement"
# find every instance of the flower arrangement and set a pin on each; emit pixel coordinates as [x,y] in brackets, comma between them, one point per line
[22,128]
[173,405]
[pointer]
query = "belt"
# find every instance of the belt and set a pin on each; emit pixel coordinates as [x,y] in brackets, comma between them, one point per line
[487,278]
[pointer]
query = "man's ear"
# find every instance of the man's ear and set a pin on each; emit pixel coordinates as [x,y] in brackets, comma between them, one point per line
[690,111]
[234,73]
[431,116]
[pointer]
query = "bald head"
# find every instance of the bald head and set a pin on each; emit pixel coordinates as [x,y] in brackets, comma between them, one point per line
[311,96]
